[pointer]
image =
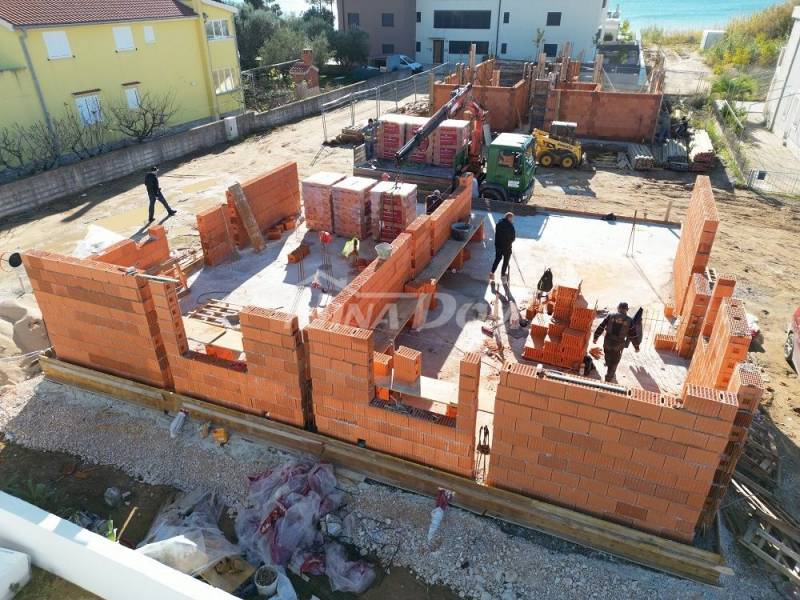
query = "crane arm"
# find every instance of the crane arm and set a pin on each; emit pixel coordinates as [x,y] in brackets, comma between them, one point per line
[451,107]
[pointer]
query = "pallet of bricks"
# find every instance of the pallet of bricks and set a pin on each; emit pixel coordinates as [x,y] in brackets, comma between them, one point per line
[394,207]
[391,135]
[449,140]
[318,200]
[423,153]
[352,212]
[560,329]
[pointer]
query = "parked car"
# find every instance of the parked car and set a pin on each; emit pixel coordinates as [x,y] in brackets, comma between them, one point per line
[791,348]
[396,62]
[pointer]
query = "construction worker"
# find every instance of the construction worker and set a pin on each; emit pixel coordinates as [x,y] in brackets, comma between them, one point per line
[504,236]
[433,201]
[154,193]
[619,329]
[369,139]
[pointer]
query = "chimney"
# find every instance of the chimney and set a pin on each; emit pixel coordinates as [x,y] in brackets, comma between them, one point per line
[308,56]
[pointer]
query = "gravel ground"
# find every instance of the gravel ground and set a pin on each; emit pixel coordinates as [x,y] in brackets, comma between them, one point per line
[477,557]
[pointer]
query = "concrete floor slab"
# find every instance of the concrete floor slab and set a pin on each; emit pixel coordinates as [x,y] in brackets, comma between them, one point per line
[577,249]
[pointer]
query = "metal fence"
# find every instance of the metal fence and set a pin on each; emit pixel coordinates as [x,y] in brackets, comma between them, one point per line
[268,87]
[371,103]
[782,183]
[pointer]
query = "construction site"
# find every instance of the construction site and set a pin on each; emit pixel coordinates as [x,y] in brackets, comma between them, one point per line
[317,341]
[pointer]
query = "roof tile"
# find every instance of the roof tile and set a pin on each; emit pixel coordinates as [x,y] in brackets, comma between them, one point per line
[38,13]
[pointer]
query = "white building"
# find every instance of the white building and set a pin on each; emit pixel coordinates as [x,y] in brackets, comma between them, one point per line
[782,108]
[506,28]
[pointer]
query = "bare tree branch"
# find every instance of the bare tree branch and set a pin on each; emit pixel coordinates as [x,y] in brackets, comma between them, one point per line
[148,119]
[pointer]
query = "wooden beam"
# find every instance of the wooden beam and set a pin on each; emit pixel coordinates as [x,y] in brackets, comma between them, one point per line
[636,546]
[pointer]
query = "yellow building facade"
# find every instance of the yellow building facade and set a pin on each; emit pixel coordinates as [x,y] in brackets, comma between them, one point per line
[54,56]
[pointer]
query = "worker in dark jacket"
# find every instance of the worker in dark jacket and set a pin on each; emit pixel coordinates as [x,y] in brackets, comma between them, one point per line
[504,236]
[154,193]
[620,329]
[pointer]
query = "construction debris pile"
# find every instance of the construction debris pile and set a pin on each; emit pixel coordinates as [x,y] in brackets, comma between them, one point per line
[289,522]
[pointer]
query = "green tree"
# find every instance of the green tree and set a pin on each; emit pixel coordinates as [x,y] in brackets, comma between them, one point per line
[285,44]
[350,47]
[254,27]
[322,50]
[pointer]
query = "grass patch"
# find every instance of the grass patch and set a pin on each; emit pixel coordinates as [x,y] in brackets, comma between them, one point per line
[658,36]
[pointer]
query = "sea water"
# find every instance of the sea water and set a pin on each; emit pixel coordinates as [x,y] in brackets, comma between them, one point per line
[679,15]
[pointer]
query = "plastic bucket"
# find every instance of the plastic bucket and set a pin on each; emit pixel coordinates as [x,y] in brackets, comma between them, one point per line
[266,580]
[384,250]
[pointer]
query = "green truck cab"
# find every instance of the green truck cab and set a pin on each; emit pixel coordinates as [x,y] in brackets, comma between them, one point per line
[510,168]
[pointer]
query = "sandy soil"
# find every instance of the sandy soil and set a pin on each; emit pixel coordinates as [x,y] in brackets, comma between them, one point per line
[757,241]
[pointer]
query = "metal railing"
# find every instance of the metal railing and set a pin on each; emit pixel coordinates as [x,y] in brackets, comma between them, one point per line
[373,102]
[782,183]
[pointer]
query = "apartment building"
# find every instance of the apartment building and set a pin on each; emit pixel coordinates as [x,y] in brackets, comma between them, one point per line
[782,107]
[391,24]
[85,54]
[511,29]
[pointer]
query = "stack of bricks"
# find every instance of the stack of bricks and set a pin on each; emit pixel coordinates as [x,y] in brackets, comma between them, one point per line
[715,360]
[561,340]
[341,361]
[318,200]
[273,197]
[456,208]
[197,374]
[698,231]
[407,364]
[695,308]
[145,255]
[423,153]
[394,207]
[391,135]
[277,384]
[636,458]
[421,232]
[352,214]
[363,302]
[99,315]
[748,388]
[215,235]
[449,140]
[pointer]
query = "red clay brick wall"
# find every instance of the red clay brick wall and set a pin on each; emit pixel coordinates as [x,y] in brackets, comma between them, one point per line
[456,208]
[345,407]
[627,457]
[99,317]
[694,312]
[215,236]
[503,103]
[271,382]
[716,359]
[273,196]
[196,374]
[724,287]
[276,369]
[150,252]
[746,384]
[605,115]
[698,230]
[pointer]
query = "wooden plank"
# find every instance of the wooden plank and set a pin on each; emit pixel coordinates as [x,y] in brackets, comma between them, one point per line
[246,215]
[637,546]
[202,331]
[436,390]
[400,313]
[447,254]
